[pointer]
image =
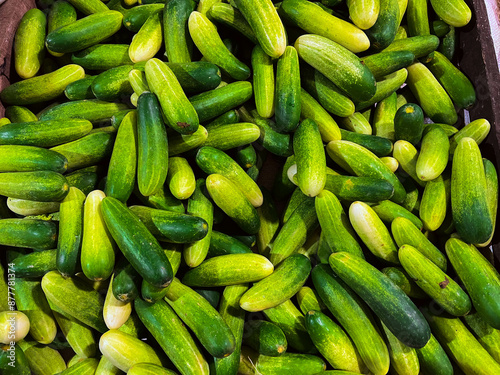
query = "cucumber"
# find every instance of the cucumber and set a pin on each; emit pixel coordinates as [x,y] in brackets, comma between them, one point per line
[179,112]
[357,123]
[364,164]
[151,294]
[152,155]
[135,17]
[75,298]
[433,359]
[147,42]
[222,244]
[27,158]
[420,46]
[293,234]
[406,233]
[31,301]
[387,211]
[102,56]
[479,278]
[383,32]
[384,63]
[125,281]
[105,367]
[433,157]
[468,193]
[246,157]
[327,94]
[407,155]
[29,47]
[28,208]
[288,102]
[291,274]
[178,43]
[461,345]
[91,110]
[124,350]
[399,276]
[478,130]
[34,264]
[263,82]
[364,13]
[81,89]
[234,316]
[19,367]
[42,359]
[60,14]
[266,24]
[454,12]
[87,151]
[84,32]
[391,162]
[38,234]
[148,369]
[230,117]
[310,158]
[207,40]
[180,178]
[439,286]
[417,18]
[89,6]
[434,203]
[233,202]
[83,367]
[42,186]
[308,300]
[17,319]
[315,20]
[448,45]
[269,223]
[295,201]
[290,363]
[229,269]
[225,137]
[492,194]
[180,143]
[354,316]
[333,343]
[112,84]
[335,226]
[265,337]
[17,113]
[231,17]
[487,336]
[276,143]
[41,88]
[379,145]
[323,54]
[409,123]
[404,360]
[205,322]
[312,110]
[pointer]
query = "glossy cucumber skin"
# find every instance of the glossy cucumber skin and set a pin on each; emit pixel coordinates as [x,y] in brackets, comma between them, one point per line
[35,264]
[384,63]
[228,136]
[290,363]
[287,109]
[420,46]
[151,263]
[433,359]
[85,32]
[180,178]
[42,186]
[391,305]
[125,282]
[477,130]
[417,16]
[29,43]
[91,110]
[135,17]
[312,110]
[401,278]
[81,89]
[16,158]
[434,203]
[148,40]
[409,123]
[455,12]
[388,211]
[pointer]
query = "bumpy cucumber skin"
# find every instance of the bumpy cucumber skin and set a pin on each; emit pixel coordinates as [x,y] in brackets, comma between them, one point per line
[263,82]
[29,43]
[287,110]
[383,32]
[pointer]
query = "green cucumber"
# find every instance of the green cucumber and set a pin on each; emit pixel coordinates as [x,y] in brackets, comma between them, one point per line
[41,88]
[152,155]
[404,359]
[92,110]
[312,110]
[227,136]
[89,6]
[206,323]
[487,336]
[448,45]
[105,367]
[269,223]
[147,42]
[433,359]
[17,113]
[364,13]
[266,24]
[290,363]
[384,63]
[276,143]
[180,143]
[98,250]
[229,269]
[388,211]
[310,158]
[38,234]
[102,56]
[454,12]
[295,201]
[231,17]
[265,337]
[335,226]
[87,151]
[379,145]
[84,367]
[115,312]
[429,277]
[333,343]
[152,294]
[178,43]
[195,77]
[407,155]
[138,81]
[112,84]
[246,157]
[34,264]
[42,359]
[81,89]
[213,103]
[478,130]
[293,234]
[84,179]
[420,46]
[60,14]
[263,82]
[27,158]
[124,350]
[75,298]
[354,316]
[399,276]
[391,162]
[233,202]
[21,364]
[388,301]
[287,103]
[291,321]
[434,203]
[122,166]
[84,32]
[29,45]
[383,120]
[149,369]
[230,117]
[479,277]
[125,281]
[417,18]
[222,244]
[291,274]
[433,157]
[315,20]
[468,193]
[357,123]
[28,208]
[207,40]
[492,194]
[180,178]
[364,164]
[323,54]
[409,123]
[135,17]
[43,186]
[383,32]
[461,345]
[308,300]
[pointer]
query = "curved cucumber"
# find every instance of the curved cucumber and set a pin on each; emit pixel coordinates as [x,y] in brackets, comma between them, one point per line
[312,110]
[147,42]
[29,44]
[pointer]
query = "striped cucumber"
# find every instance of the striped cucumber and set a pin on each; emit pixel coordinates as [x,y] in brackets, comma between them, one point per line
[102,56]
[287,103]
[478,130]
[148,40]
[263,82]
[404,359]
[180,178]
[60,14]
[387,211]
[112,84]
[487,336]
[357,123]
[383,32]
[312,110]
[33,233]
[407,155]
[42,186]
[265,337]
[433,157]
[178,43]
[433,359]
[434,203]
[455,13]
[29,43]
[290,363]
[28,158]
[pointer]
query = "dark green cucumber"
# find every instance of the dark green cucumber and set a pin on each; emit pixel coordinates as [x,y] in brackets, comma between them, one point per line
[85,32]
[399,276]
[287,109]
[291,274]
[433,359]
[35,264]
[214,103]
[409,123]
[385,298]
[84,179]
[38,234]
[354,316]
[131,234]
[27,158]
[44,133]
[112,84]
[206,323]
[152,294]
[125,282]
[42,186]
[223,244]
[276,143]
[152,155]
[448,45]
[92,110]
[383,32]
[246,157]
[178,43]
[420,46]
[230,117]
[296,199]
[225,137]
[60,14]
[290,363]
[384,63]
[16,113]
[102,56]
[265,337]
[135,17]
[8,367]
[81,89]
[380,146]
[368,189]
[177,227]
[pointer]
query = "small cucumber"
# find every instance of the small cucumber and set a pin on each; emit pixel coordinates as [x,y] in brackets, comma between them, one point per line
[263,82]
[407,155]
[290,363]
[409,123]
[312,110]
[404,359]
[420,46]
[180,143]
[391,162]
[379,145]
[180,178]
[383,32]
[102,56]
[433,359]
[28,208]
[364,13]
[147,42]
[178,43]
[434,203]
[265,337]
[115,312]
[29,43]
[455,13]
[246,157]
[478,130]
[125,281]
[288,102]
[433,157]
[135,17]
[38,234]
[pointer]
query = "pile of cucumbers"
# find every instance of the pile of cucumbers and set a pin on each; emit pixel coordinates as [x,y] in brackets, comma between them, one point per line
[245,187]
